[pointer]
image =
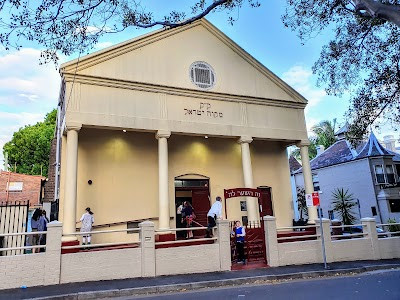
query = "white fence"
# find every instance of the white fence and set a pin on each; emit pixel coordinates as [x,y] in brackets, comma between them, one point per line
[363,245]
[107,261]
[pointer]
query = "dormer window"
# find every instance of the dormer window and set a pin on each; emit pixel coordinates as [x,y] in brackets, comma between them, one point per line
[390,174]
[379,174]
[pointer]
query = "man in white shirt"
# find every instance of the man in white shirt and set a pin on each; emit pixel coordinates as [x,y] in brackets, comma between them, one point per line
[214,213]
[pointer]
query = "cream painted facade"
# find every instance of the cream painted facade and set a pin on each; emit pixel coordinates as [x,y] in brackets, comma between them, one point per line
[143,87]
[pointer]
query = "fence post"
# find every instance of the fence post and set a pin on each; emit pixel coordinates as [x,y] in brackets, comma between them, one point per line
[271,241]
[147,245]
[370,229]
[53,253]
[326,226]
[224,241]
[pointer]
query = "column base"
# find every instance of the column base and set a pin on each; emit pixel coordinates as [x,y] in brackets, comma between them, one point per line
[166,237]
[70,243]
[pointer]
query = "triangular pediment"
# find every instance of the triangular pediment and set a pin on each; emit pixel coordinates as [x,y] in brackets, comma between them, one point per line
[164,58]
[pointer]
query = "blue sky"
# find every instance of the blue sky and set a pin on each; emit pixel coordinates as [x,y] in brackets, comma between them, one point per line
[28,91]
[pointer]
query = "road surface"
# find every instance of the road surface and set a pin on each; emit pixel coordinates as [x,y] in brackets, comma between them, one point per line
[373,285]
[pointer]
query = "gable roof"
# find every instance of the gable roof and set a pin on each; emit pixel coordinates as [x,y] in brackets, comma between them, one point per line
[373,148]
[104,55]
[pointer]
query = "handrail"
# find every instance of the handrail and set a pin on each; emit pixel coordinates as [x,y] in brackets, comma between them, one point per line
[181,229]
[348,235]
[298,237]
[22,248]
[124,222]
[297,227]
[348,226]
[23,233]
[388,233]
[102,231]
[387,224]
[100,245]
[186,241]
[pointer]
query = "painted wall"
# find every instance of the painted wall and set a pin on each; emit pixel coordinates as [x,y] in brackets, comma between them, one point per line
[123,168]
[354,176]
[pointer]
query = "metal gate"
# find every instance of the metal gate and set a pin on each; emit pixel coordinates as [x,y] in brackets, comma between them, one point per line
[255,233]
[13,219]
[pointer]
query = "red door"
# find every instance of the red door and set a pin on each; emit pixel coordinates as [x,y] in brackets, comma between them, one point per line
[201,205]
[266,202]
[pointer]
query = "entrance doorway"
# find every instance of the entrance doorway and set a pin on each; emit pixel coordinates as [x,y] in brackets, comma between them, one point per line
[197,193]
[266,201]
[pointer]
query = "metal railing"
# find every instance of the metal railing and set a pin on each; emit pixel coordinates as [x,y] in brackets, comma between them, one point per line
[350,235]
[98,245]
[390,230]
[193,240]
[299,233]
[26,234]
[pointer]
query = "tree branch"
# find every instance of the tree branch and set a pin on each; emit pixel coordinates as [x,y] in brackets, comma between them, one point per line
[377,9]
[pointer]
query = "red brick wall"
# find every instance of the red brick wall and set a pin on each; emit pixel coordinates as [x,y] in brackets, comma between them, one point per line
[30,190]
[50,184]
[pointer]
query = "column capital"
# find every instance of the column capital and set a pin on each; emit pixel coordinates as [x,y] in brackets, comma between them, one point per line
[245,139]
[73,126]
[303,143]
[163,134]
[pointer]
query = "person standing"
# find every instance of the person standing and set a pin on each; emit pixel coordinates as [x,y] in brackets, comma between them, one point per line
[87,220]
[187,212]
[213,214]
[42,226]
[35,226]
[240,232]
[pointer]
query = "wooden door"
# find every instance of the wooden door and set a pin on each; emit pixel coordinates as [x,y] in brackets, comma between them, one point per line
[201,205]
[266,202]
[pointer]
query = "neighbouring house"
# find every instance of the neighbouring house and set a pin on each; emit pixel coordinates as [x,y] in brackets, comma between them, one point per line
[15,187]
[143,128]
[369,171]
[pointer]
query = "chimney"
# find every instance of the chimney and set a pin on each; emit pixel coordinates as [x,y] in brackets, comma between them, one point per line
[320,149]
[389,141]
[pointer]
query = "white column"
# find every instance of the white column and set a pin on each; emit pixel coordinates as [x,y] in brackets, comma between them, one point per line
[251,202]
[163,201]
[308,183]
[69,216]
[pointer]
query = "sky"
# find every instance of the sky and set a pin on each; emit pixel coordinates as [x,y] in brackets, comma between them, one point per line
[28,90]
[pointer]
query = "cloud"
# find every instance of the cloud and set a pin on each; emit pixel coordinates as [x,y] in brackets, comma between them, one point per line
[28,91]
[103,45]
[300,78]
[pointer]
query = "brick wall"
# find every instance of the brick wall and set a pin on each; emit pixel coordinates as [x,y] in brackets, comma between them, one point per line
[30,190]
[50,184]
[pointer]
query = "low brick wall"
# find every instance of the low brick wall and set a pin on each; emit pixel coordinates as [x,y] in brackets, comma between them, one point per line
[22,270]
[101,265]
[368,247]
[389,247]
[299,253]
[354,249]
[189,259]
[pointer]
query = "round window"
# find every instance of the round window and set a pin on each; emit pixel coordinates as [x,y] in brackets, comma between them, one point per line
[202,75]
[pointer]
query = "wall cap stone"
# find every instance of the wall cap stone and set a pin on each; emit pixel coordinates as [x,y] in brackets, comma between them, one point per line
[54,224]
[146,224]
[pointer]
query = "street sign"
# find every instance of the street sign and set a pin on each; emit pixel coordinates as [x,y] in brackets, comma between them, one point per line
[309,200]
[315,198]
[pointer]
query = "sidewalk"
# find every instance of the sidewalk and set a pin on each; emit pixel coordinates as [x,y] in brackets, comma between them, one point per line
[128,287]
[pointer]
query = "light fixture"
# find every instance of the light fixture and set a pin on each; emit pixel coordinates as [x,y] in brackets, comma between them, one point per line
[124,130]
[206,136]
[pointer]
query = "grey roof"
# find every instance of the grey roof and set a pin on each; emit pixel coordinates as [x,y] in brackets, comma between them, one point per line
[373,148]
[342,129]
[293,164]
[341,152]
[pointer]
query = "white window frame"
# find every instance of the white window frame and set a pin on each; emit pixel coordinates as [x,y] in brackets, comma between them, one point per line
[383,173]
[393,172]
